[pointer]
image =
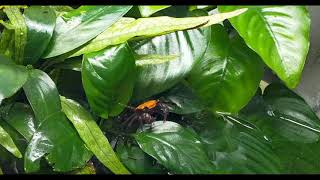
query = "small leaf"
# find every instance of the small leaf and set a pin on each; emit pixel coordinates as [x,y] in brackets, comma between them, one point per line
[228,75]
[92,135]
[175,147]
[7,142]
[81,25]
[108,79]
[12,77]
[136,160]
[146,11]
[128,28]
[88,169]
[20,32]
[40,21]
[54,137]
[280,35]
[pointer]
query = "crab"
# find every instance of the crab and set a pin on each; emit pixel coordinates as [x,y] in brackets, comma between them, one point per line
[146,113]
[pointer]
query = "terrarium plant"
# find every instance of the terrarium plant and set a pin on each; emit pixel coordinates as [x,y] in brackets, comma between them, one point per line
[154,90]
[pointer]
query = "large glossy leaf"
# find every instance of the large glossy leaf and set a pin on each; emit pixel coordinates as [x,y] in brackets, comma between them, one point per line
[12,77]
[176,148]
[280,35]
[235,145]
[136,160]
[228,75]
[54,137]
[20,116]
[152,78]
[7,142]
[128,28]
[91,134]
[291,126]
[20,32]
[40,21]
[146,11]
[108,79]
[81,25]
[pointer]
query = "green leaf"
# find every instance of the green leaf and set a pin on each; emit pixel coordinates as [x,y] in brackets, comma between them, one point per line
[228,74]
[176,148]
[146,11]
[20,116]
[108,79]
[88,169]
[20,32]
[12,77]
[153,78]
[40,21]
[181,99]
[7,142]
[235,145]
[291,126]
[54,137]
[7,43]
[92,135]
[136,160]
[127,28]
[1,173]
[280,35]
[81,25]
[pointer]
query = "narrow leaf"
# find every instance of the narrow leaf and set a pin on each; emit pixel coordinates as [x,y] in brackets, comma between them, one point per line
[81,25]
[91,134]
[20,28]
[7,142]
[128,28]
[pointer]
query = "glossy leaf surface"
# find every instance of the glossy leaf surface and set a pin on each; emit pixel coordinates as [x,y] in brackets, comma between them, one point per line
[108,78]
[280,35]
[81,25]
[228,75]
[55,137]
[91,134]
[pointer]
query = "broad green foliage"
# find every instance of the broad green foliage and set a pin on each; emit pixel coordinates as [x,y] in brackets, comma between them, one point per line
[12,77]
[81,25]
[280,35]
[108,78]
[146,11]
[40,22]
[227,76]
[73,80]
[176,148]
[91,134]
[54,136]
[128,28]
[235,145]
[291,126]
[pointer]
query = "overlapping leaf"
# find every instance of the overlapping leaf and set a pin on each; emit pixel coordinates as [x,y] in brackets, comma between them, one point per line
[228,75]
[81,25]
[108,78]
[91,134]
[54,137]
[280,35]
